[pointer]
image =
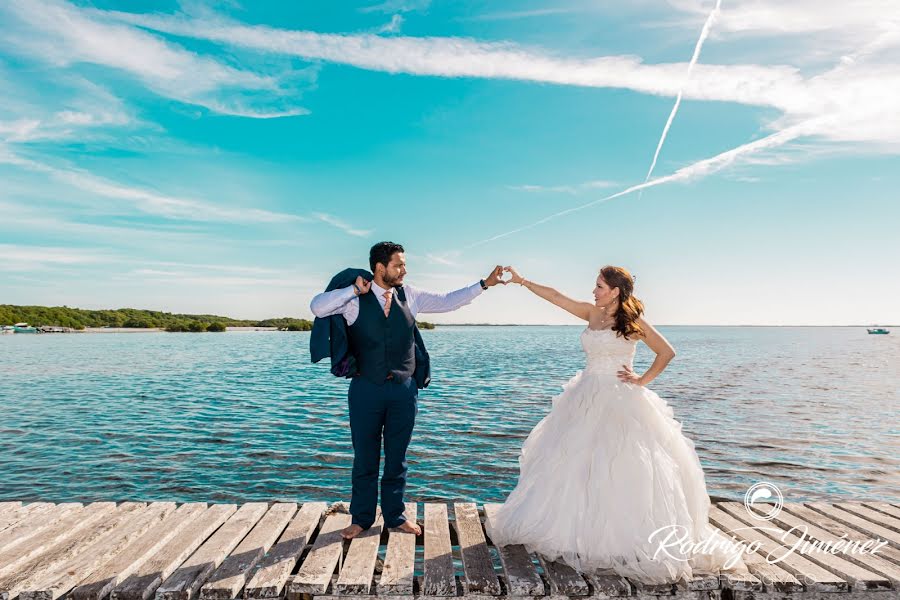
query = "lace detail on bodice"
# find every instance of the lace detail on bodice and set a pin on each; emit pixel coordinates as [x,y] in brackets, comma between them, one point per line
[606,352]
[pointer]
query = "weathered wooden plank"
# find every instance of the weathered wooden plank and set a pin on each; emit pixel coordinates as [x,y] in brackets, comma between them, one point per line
[522,578]
[14,517]
[813,576]
[809,596]
[103,579]
[857,522]
[8,508]
[228,580]
[41,559]
[563,579]
[16,514]
[276,566]
[359,565]
[772,576]
[607,583]
[74,545]
[439,578]
[16,556]
[478,568]
[884,507]
[315,573]
[858,577]
[397,575]
[144,581]
[35,519]
[808,526]
[872,515]
[66,575]
[185,582]
[837,529]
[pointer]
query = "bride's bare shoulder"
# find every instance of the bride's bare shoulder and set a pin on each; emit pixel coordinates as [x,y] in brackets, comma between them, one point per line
[645,326]
[653,338]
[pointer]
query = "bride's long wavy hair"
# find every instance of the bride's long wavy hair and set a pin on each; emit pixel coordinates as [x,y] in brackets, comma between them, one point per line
[630,308]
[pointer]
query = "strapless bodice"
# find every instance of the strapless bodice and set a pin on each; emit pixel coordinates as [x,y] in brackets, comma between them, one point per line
[606,352]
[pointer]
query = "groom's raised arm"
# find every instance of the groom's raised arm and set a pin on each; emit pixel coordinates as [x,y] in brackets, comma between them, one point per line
[330,303]
[433,302]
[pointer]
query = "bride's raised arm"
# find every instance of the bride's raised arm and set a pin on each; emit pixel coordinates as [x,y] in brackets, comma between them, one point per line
[582,310]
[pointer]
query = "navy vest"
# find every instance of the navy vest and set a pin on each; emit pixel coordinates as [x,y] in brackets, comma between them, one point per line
[384,345]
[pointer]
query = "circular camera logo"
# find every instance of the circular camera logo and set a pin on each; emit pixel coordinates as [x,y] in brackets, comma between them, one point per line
[763,500]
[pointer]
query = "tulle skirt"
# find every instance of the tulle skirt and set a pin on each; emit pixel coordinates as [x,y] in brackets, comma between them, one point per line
[609,481]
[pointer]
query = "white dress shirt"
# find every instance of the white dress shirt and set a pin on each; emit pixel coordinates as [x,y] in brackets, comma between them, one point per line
[344,301]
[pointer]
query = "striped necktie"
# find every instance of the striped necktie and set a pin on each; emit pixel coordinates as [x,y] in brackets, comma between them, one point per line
[387,302]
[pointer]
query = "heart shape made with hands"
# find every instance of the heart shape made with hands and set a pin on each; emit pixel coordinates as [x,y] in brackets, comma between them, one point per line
[505,281]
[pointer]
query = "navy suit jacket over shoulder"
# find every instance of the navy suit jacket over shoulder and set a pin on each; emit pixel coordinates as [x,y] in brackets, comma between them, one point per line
[329,336]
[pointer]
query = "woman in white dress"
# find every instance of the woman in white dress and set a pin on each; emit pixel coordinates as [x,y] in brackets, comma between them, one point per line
[607,478]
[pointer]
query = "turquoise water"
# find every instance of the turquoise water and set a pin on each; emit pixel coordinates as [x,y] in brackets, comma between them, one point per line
[244,416]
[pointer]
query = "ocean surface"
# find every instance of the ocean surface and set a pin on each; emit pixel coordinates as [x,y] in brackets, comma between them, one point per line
[243,416]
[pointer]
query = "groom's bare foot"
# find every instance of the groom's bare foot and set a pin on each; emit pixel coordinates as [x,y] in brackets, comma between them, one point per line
[348,533]
[410,527]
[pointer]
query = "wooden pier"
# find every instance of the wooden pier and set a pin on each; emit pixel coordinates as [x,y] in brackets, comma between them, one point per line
[165,551]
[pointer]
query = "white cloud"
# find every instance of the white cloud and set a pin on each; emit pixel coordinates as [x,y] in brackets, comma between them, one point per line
[287,280]
[147,201]
[31,258]
[860,93]
[446,259]
[577,188]
[704,33]
[60,106]
[338,223]
[394,26]
[397,6]
[19,216]
[776,17]
[520,14]
[693,171]
[800,31]
[463,57]
[61,34]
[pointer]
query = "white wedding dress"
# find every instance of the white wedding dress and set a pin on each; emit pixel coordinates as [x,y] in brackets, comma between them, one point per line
[603,470]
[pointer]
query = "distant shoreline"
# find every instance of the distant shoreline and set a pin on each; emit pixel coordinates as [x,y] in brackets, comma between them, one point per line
[245,329]
[160,329]
[655,325]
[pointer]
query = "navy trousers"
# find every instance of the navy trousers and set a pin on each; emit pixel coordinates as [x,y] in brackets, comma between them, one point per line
[385,411]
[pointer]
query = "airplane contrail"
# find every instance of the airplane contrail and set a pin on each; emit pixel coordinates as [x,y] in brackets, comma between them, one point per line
[700,168]
[704,33]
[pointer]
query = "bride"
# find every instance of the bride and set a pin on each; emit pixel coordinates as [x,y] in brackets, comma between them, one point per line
[607,478]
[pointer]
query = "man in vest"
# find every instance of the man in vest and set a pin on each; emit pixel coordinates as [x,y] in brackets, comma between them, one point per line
[383,396]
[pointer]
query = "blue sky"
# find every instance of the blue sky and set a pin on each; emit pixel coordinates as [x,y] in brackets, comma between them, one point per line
[229,157]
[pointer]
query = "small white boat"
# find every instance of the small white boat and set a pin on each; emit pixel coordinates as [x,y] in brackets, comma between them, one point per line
[878,330]
[24,328]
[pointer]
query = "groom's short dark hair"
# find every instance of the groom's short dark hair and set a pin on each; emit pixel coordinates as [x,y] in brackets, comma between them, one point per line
[382,253]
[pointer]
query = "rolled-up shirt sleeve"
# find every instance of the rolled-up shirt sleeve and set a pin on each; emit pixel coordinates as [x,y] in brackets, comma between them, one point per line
[332,303]
[431,302]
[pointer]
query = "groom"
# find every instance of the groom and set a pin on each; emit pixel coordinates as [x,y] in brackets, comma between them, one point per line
[383,397]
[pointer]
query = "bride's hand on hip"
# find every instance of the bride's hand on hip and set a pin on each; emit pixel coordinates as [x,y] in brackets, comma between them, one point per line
[627,375]
[515,277]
